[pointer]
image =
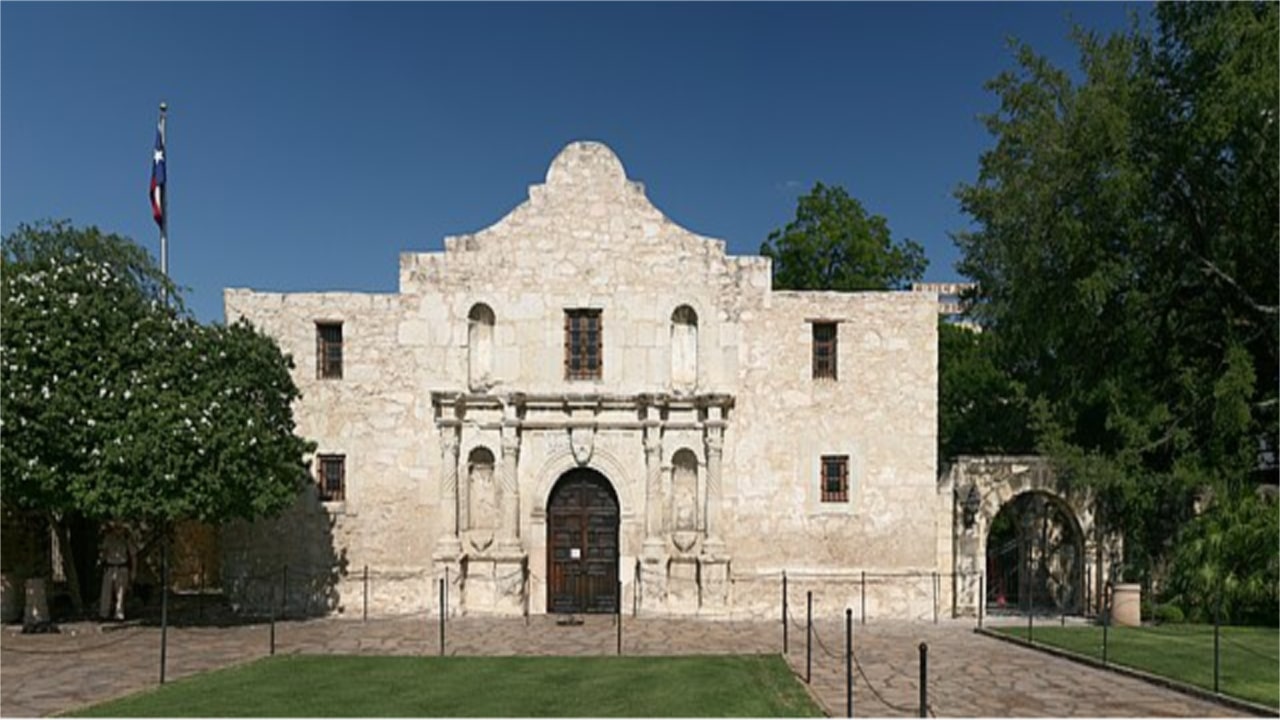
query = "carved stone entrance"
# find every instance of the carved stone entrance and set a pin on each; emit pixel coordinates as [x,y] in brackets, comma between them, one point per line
[582,544]
[1016,562]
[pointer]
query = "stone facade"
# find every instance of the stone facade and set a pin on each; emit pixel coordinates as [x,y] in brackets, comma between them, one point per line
[456,421]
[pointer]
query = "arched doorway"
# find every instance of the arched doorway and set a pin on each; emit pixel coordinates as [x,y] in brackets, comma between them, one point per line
[1035,557]
[582,544]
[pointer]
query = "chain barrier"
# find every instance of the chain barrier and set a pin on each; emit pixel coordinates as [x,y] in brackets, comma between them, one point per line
[858,666]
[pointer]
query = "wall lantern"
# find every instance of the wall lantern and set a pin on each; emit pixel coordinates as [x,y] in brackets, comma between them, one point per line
[970,506]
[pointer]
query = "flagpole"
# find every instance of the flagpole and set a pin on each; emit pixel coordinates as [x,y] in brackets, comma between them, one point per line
[164,200]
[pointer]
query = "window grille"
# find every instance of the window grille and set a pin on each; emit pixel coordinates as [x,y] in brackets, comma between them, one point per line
[582,345]
[328,350]
[835,478]
[824,350]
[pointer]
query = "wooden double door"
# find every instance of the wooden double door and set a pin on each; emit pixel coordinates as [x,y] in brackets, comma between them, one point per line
[582,544]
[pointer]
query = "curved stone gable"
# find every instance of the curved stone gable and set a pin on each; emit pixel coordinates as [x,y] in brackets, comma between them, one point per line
[587,219]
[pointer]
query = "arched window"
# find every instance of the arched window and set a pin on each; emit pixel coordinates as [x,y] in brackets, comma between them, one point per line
[684,349]
[684,486]
[480,347]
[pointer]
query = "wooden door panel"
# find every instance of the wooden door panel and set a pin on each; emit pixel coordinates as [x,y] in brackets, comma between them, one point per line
[582,516]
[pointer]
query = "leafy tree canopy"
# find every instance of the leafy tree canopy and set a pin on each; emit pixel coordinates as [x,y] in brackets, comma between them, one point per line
[118,405]
[833,244]
[981,410]
[1125,252]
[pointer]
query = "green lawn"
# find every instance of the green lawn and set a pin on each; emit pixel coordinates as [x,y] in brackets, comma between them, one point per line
[359,686]
[1249,659]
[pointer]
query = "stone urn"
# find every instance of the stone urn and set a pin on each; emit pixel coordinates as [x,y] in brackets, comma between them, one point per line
[1126,605]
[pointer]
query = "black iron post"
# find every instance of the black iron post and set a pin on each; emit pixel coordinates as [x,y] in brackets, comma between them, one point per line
[164,603]
[924,680]
[785,644]
[284,592]
[848,662]
[200,596]
[982,595]
[1217,621]
[443,610]
[619,613]
[935,597]
[1031,614]
[862,598]
[808,637]
[273,631]
[1106,623]
[366,593]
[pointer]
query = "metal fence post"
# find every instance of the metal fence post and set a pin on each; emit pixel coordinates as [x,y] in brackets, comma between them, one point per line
[366,593]
[619,613]
[1106,623]
[284,592]
[1031,615]
[924,680]
[808,637]
[164,604]
[935,597]
[273,631]
[1217,621]
[848,661]
[862,598]
[785,644]
[443,610]
[982,595]
[200,595]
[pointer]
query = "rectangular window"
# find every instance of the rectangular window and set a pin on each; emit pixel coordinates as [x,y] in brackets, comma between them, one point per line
[329,350]
[824,350]
[835,478]
[582,355]
[332,471]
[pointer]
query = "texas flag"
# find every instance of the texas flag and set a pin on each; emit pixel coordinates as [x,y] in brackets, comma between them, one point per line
[157,177]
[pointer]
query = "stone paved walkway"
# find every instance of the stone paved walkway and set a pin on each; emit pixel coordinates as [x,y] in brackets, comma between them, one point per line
[969,675]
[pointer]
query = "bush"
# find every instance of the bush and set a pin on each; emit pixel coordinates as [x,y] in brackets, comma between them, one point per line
[1228,556]
[1168,613]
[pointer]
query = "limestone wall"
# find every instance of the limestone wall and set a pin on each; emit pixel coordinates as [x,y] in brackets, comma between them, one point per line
[425,385]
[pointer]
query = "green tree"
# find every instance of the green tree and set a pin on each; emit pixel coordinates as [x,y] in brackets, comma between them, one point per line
[117,405]
[834,245]
[981,410]
[1126,257]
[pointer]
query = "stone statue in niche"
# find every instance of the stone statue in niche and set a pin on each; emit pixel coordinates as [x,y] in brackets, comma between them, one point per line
[684,349]
[482,498]
[480,322]
[684,481]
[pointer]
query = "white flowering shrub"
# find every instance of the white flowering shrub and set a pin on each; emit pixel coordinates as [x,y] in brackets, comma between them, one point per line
[116,404]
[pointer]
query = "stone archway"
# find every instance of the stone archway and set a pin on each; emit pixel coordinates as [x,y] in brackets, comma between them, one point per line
[982,487]
[1034,557]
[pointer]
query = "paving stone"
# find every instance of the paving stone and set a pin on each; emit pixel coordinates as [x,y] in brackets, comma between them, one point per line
[969,675]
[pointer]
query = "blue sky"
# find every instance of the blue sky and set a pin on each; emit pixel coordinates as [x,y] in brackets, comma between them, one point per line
[311,143]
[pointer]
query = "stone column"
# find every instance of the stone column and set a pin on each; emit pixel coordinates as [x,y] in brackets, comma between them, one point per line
[510,526]
[714,499]
[653,485]
[449,545]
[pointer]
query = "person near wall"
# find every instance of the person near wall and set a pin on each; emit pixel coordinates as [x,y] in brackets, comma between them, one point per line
[118,563]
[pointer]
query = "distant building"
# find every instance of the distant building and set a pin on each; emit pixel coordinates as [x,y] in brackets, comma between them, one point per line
[950,301]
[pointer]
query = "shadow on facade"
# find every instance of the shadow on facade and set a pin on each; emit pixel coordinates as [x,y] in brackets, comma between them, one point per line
[288,567]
